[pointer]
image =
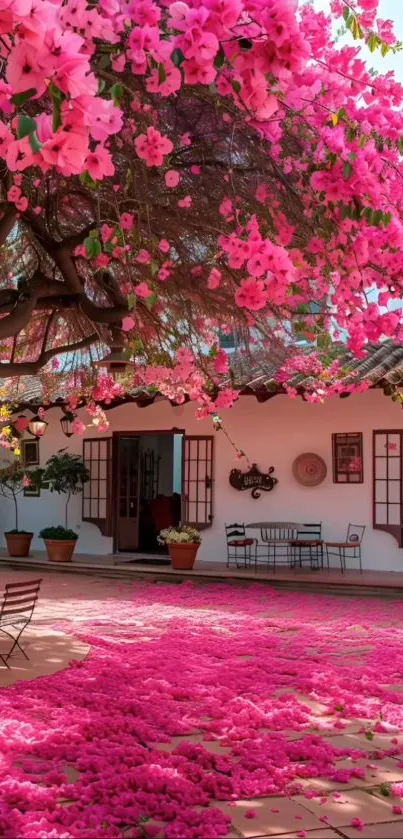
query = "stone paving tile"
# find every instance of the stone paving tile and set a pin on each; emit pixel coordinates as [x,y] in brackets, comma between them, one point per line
[361,743]
[383,771]
[310,834]
[392,830]
[350,805]
[213,746]
[290,816]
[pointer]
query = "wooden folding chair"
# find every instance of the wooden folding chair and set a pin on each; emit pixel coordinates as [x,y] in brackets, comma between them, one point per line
[16,610]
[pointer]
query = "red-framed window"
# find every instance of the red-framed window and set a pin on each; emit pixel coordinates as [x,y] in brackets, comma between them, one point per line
[198,481]
[387,482]
[97,492]
[348,458]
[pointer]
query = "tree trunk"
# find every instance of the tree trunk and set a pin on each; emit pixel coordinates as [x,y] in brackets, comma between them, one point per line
[67,507]
[16,510]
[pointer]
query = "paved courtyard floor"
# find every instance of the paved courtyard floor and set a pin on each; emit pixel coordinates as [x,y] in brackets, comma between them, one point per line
[203,711]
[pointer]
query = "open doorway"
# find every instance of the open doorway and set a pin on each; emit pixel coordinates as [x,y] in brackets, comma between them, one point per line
[149,469]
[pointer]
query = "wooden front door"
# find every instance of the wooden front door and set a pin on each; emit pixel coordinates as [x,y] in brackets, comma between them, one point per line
[127,519]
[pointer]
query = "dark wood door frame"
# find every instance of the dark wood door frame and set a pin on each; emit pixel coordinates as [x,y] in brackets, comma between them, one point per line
[171,432]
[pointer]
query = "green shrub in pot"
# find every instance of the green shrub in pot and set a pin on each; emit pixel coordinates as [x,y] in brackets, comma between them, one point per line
[66,474]
[14,478]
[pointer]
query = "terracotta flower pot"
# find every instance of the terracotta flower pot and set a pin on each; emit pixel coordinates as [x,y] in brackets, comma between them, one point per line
[60,550]
[18,544]
[183,556]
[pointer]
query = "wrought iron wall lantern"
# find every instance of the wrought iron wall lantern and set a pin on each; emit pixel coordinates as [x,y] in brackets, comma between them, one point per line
[66,422]
[253,480]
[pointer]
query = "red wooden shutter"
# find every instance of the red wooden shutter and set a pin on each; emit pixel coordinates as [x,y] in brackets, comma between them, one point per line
[198,479]
[97,501]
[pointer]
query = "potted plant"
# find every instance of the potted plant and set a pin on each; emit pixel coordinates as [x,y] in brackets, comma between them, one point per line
[182,542]
[60,543]
[13,480]
[66,474]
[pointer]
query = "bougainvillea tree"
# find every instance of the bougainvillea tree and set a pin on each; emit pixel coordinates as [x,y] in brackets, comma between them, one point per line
[171,169]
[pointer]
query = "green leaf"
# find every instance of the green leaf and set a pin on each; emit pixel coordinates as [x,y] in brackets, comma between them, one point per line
[86,179]
[346,13]
[369,734]
[101,85]
[219,59]
[131,301]
[377,217]
[161,73]
[385,49]
[387,218]
[35,144]
[368,214]
[116,92]
[92,247]
[177,57]
[57,113]
[347,170]
[138,346]
[26,126]
[373,42]
[154,268]
[20,99]
[151,301]
[236,86]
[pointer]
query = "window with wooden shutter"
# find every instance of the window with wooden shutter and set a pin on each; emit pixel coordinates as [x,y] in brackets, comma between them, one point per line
[97,506]
[387,477]
[347,458]
[198,480]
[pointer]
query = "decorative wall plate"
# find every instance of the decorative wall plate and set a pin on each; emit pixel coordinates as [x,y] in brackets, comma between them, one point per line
[309,469]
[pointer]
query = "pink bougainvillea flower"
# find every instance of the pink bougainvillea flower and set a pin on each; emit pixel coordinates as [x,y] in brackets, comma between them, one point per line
[143,290]
[251,295]
[99,164]
[127,323]
[126,221]
[152,147]
[214,279]
[221,362]
[172,178]
[357,823]
[185,202]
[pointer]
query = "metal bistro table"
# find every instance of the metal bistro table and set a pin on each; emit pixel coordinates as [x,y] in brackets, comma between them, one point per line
[277,538]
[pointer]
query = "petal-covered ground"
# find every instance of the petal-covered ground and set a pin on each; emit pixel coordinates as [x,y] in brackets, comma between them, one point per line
[205,705]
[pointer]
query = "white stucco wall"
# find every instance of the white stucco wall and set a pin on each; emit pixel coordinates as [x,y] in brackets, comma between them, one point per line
[273,434]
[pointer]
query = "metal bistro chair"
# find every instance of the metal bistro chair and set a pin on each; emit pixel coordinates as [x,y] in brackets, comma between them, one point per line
[355,533]
[308,546]
[16,610]
[239,545]
[278,539]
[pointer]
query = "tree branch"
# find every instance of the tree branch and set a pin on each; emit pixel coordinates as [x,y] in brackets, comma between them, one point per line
[31,368]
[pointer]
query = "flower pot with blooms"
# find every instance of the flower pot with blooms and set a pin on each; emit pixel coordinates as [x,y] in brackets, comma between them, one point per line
[13,480]
[182,542]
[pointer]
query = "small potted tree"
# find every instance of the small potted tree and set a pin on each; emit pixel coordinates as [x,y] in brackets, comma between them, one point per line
[65,474]
[182,542]
[13,480]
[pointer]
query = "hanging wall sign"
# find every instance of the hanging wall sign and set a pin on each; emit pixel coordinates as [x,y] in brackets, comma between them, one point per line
[253,480]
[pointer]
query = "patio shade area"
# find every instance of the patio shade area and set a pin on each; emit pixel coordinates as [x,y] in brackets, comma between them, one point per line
[207,711]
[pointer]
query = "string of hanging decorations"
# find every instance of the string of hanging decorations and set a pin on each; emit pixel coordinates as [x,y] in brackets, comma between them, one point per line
[218,425]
